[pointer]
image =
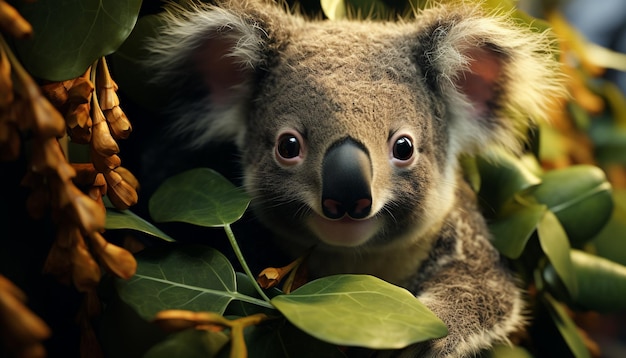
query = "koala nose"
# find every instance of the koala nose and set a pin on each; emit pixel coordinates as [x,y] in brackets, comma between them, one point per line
[346,181]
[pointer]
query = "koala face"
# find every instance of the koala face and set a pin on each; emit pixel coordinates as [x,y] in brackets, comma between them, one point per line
[348,150]
[350,131]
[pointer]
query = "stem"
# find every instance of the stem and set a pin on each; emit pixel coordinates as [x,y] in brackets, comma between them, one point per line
[233,243]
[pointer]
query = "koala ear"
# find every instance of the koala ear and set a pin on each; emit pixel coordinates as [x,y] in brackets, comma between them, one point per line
[210,57]
[496,76]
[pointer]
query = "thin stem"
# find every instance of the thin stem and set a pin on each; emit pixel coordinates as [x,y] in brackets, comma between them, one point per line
[233,243]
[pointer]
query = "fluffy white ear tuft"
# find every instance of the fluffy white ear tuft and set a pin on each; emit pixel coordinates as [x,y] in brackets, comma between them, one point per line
[210,56]
[497,77]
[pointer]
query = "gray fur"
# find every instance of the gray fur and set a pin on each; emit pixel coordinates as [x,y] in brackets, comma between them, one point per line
[454,80]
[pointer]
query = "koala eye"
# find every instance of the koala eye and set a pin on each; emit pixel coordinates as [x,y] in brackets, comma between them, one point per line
[403,148]
[289,148]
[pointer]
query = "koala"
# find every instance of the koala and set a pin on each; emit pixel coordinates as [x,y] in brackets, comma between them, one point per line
[349,135]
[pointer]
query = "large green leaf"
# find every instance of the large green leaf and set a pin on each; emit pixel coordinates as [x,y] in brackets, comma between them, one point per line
[601,282]
[360,310]
[126,219]
[194,278]
[502,177]
[199,196]
[610,243]
[70,35]
[511,233]
[555,245]
[581,198]
[280,339]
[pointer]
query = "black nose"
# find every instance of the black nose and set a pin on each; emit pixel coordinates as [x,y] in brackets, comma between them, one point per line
[346,181]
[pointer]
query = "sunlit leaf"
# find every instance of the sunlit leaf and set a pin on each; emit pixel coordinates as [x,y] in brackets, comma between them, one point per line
[189,344]
[555,245]
[601,282]
[511,233]
[334,9]
[70,35]
[567,327]
[359,310]
[581,198]
[199,196]
[126,219]
[192,278]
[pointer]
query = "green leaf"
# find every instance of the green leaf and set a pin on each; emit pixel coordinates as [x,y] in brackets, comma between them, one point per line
[502,177]
[511,233]
[126,219]
[609,243]
[189,344]
[567,327]
[280,339]
[70,35]
[581,198]
[334,9]
[601,282]
[129,70]
[193,278]
[360,310]
[555,245]
[199,196]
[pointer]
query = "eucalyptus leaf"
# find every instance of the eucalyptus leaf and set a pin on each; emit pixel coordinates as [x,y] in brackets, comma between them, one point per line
[334,9]
[70,35]
[189,344]
[502,351]
[280,339]
[126,219]
[199,196]
[511,233]
[360,310]
[194,278]
[601,282]
[610,243]
[566,326]
[581,197]
[555,245]
[502,177]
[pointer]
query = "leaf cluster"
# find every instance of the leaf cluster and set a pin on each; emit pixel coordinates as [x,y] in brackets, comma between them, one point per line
[331,312]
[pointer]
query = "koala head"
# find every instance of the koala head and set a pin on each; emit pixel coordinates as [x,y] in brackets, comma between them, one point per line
[350,131]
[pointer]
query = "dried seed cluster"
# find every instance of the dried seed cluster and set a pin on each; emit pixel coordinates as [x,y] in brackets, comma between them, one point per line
[38,118]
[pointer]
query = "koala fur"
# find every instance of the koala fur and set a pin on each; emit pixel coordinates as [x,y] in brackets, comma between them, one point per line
[350,133]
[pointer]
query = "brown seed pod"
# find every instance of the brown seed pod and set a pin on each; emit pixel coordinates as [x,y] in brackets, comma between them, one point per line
[6,82]
[85,271]
[121,194]
[118,122]
[101,139]
[115,259]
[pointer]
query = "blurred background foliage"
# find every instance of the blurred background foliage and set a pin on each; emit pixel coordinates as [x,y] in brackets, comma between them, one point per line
[558,212]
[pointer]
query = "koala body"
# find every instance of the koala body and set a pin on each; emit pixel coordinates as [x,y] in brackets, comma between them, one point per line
[350,132]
